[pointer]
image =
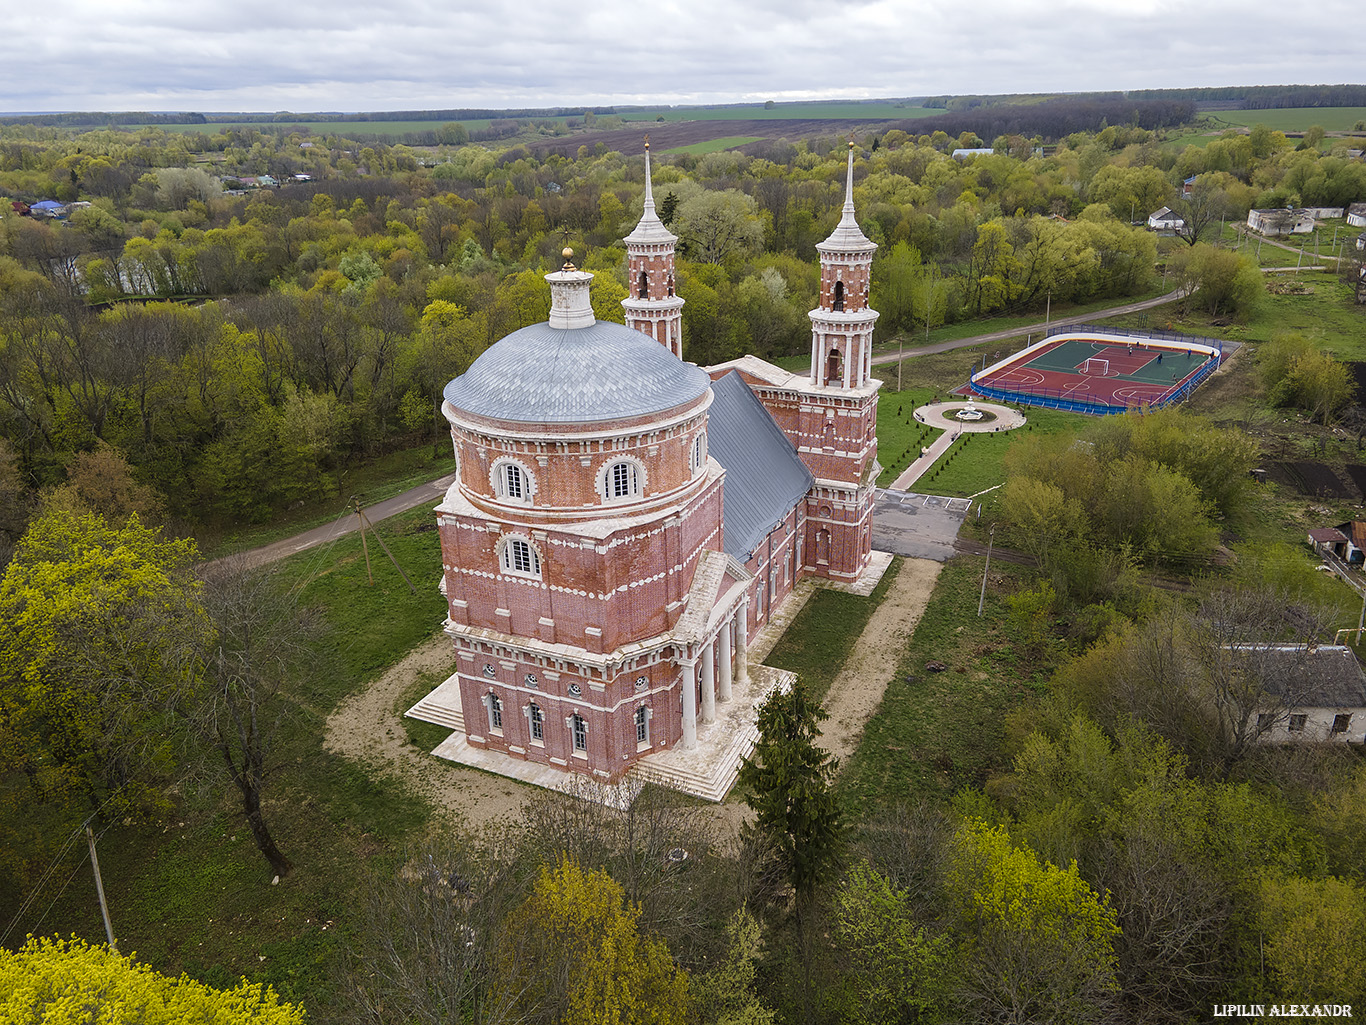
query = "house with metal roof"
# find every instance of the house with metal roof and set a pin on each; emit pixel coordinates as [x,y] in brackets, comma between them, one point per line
[623,522]
[1356,215]
[1315,693]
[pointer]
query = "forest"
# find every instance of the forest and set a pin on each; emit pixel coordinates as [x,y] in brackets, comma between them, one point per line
[1066,820]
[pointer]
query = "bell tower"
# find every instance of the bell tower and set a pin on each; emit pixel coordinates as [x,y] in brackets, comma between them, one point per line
[842,326]
[838,416]
[652,306]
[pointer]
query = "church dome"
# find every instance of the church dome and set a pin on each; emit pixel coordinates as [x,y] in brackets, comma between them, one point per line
[574,369]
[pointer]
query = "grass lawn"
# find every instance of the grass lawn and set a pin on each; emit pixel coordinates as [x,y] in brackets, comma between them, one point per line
[784,112]
[713,145]
[371,482]
[821,637]
[189,891]
[1294,119]
[937,732]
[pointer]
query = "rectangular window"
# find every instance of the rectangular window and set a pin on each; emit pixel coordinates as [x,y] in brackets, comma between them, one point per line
[1265,721]
[495,712]
[621,480]
[514,479]
[521,556]
[642,725]
[1342,722]
[580,734]
[1297,723]
[537,723]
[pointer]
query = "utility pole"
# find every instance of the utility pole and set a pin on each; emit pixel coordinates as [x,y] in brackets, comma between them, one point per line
[982,598]
[1047,312]
[99,888]
[900,341]
[360,518]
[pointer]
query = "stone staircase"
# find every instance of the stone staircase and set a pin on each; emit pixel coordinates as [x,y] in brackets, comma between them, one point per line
[710,769]
[441,706]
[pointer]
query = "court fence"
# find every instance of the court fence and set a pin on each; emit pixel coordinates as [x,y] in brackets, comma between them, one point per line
[1058,398]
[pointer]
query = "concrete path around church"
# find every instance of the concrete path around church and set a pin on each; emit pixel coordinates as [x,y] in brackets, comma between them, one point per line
[366,726]
[857,692]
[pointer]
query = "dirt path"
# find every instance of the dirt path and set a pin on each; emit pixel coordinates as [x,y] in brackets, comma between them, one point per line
[366,727]
[857,692]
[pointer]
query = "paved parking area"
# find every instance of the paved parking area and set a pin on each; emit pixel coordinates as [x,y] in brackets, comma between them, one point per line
[918,526]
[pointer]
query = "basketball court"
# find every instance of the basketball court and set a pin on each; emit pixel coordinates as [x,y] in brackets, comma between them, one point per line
[1101,374]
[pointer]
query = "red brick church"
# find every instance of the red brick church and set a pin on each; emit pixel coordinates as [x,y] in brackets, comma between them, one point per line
[622,522]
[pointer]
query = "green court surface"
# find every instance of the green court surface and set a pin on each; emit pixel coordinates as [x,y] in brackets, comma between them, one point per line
[1135,363]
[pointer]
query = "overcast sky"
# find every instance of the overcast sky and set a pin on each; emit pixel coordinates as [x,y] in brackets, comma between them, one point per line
[254,55]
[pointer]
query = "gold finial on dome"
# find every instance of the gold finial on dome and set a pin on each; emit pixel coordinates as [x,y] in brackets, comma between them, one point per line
[568,255]
[647,140]
[851,143]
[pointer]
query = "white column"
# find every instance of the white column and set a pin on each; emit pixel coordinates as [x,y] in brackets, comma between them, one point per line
[689,705]
[709,682]
[742,645]
[848,360]
[815,356]
[724,638]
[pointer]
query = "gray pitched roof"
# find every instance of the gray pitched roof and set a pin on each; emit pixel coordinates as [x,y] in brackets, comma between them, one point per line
[765,477]
[547,375]
[1325,677]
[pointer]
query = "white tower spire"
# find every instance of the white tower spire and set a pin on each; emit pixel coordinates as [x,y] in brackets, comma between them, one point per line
[651,305]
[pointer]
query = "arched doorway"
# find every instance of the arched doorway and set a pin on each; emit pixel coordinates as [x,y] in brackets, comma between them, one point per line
[834,367]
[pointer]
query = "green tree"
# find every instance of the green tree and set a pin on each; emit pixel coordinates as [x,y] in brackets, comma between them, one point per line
[716,225]
[572,953]
[725,994]
[789,784]
[1038,942]
[98,630]
[70,982]
[897,972]
[1315,937]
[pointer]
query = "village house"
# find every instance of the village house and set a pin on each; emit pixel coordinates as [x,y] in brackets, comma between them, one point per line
[1281,222]
[1318,694]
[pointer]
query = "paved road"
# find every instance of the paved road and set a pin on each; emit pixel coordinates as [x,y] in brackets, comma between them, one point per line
[918,526]
[1027,329]
[423,494]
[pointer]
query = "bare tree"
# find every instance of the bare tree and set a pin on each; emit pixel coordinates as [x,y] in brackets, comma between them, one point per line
[428,937]
[260,644]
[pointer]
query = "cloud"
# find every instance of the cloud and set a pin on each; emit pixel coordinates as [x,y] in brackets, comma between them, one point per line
[258,55]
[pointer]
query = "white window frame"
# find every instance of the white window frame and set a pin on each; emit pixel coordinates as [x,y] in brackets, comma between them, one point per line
[622,469]
[578,731]
[493,707]
[535,717]
[509,476]
[511,550]
[642,722]
[698,457]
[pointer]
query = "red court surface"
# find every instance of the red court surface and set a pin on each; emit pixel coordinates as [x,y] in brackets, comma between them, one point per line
[1105,374]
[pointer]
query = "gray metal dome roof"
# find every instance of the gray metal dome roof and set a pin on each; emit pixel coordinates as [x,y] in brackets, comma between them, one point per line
[549,375]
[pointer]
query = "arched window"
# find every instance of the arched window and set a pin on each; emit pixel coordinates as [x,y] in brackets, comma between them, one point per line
[838,303]
[671,286]
[834,367]
[519,557]
[513,482]
[699,453]
[622,479]
[644,287]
